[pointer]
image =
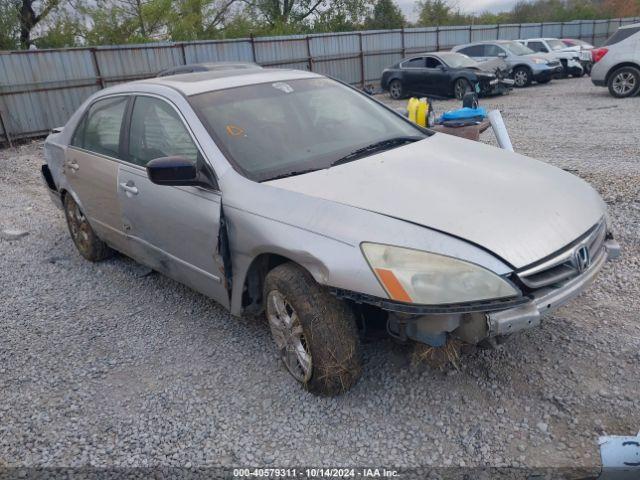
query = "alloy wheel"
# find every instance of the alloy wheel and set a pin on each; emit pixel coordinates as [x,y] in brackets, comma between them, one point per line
[288,335]
[461,87]
[624,83]
[79,228]
[395,89]
[521,78]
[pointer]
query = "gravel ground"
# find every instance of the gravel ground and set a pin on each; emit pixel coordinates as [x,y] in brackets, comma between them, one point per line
[108,365]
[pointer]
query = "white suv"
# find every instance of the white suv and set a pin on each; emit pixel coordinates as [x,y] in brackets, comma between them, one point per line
[617,62]
[569,57]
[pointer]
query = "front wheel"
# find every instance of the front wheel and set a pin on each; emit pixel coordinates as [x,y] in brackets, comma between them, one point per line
[624,82]
[461,87]
[395,89]
[522,77]
[314,331]
[83,236]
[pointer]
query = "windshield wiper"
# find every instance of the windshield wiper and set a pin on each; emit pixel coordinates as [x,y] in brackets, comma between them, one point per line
[387,144]
[291,174]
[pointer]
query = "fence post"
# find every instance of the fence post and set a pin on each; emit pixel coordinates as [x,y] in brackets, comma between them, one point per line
[96,67]
[404,54]
[498,33]
[562,30]
[362,79]
[437,38]
[593,33]
[184,53]
[253,47]
[309,59]
[470,34]
[520,31]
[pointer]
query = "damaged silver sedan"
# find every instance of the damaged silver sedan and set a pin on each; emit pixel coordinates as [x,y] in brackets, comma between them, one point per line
[288,193]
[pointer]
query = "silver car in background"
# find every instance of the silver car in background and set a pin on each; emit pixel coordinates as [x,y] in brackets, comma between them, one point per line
[285,192]
[527,66]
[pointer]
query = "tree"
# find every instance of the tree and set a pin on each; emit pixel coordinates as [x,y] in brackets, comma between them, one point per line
[439,12]
[9,24]
[30,14]
[386,15]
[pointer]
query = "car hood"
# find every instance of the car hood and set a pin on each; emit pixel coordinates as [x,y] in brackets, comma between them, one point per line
[520,209]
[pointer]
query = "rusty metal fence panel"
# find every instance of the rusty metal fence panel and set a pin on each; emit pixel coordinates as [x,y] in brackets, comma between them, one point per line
[40,89]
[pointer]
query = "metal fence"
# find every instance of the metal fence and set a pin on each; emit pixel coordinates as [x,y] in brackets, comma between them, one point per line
[40,89]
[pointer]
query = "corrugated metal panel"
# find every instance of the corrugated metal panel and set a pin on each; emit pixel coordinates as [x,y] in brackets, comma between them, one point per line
[200,52]
[553,30]
[531,30]
[382,40]
[483,32]
[271,50]
[347,70]
[374,64]
[136,62]
[421,39]
[571,30]
[453,36]
[334,45]
[509,32]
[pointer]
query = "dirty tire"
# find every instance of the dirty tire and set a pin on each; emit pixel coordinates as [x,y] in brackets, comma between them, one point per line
[624,82]
[461,87]
[328,329]
[522,77]
[83,236]
[395,89]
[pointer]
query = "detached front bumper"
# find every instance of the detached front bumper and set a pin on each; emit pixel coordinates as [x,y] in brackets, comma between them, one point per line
[546,300]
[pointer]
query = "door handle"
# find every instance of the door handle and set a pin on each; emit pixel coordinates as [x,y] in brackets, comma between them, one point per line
[132,189]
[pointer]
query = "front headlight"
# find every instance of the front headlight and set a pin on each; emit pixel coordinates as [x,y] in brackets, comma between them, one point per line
[539,61]
[413,276]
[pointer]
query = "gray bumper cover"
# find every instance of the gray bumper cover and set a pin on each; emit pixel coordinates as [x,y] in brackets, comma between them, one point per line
[548,299]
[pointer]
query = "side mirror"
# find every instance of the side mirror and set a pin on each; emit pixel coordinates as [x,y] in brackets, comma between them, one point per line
[173,171]
[502,55]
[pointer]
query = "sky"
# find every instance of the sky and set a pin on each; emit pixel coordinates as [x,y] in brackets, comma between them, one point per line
[467,6]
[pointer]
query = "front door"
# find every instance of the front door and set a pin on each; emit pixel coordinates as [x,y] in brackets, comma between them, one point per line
[172,229]
[437,77]
[91,167]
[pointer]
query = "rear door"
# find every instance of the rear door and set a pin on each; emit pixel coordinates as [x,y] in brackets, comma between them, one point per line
[414,74]
[477,52]
[172,229]
[91,166]
[437,75]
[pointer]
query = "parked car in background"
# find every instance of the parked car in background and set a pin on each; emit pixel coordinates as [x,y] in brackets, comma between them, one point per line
[445,74]
[617,63]
[527,66]
[290,193]
[569,57]
[585,52]
[208,67]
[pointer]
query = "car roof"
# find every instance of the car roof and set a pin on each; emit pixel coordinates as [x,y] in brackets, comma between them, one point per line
[200,82]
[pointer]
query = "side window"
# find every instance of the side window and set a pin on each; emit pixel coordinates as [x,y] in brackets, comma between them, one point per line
[491,50]
[473,51]
[414,63]
[99,131]
[433,62]
[158,131]
[537,47]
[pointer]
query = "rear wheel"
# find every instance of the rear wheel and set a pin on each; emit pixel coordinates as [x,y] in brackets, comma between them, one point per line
[83,236]
[624,82]
[314,331]
[395,89]
[461,87]
[522,77]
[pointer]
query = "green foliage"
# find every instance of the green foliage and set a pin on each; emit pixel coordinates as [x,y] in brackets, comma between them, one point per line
[439,12]
[386,15]
[9,24]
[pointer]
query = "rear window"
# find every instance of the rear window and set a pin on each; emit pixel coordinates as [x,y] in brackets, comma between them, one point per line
[620,35]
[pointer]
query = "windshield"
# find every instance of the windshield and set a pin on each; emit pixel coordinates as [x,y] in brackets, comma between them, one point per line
[275,129]
[458,60]
[556,44]
[516,48]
